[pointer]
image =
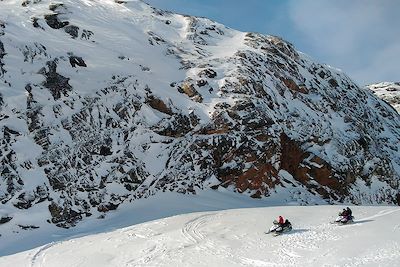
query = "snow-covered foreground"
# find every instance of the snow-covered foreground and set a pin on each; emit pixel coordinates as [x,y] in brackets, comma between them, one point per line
[14,239]
[234,238]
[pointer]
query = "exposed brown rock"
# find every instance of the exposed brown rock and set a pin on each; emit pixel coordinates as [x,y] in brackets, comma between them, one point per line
[291,157]
[198,98]
[159,105]
[188,88]
[323,175]
[293,160]
[293,86]
[107,207]
[221,130]
[262,137]
[333,83]
[64,217]
[256,178]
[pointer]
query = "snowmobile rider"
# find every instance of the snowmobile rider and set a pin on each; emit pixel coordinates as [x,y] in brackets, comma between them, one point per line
[287,223]
[343,213]
[349,213]
[281,221]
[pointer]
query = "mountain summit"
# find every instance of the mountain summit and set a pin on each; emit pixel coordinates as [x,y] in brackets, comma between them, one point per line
[104,102]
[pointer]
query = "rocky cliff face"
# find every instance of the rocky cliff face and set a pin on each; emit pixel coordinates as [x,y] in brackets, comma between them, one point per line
[388,91]
[103,102]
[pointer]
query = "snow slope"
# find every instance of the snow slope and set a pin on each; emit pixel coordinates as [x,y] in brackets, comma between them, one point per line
[234,238]
[15,239]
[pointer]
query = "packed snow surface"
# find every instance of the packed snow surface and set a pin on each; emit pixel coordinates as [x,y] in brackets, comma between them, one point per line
[234,237]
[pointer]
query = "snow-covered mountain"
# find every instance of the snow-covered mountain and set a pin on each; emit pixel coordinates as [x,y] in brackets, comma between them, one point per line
[388,91]
[104,102]
[234,238]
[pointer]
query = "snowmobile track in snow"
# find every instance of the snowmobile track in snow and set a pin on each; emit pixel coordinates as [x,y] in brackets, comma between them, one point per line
[379,214]
[150,254]
[192,232]
[40,254]
[191,229]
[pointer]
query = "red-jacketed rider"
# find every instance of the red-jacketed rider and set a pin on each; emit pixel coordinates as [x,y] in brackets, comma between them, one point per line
[281,221]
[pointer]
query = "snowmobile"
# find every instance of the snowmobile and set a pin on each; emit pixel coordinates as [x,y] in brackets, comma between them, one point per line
[344,219]
[278,229]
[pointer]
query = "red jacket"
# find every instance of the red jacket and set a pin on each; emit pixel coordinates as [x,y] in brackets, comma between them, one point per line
[281,220]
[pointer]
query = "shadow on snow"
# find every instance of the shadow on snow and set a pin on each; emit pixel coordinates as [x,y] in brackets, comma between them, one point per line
[297,231]
[362,221]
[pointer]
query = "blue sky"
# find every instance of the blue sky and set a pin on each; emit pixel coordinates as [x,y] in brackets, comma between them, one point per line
[361,37]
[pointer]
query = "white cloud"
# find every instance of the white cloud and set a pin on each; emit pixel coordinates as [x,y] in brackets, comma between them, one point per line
[384,66]
[360,37]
